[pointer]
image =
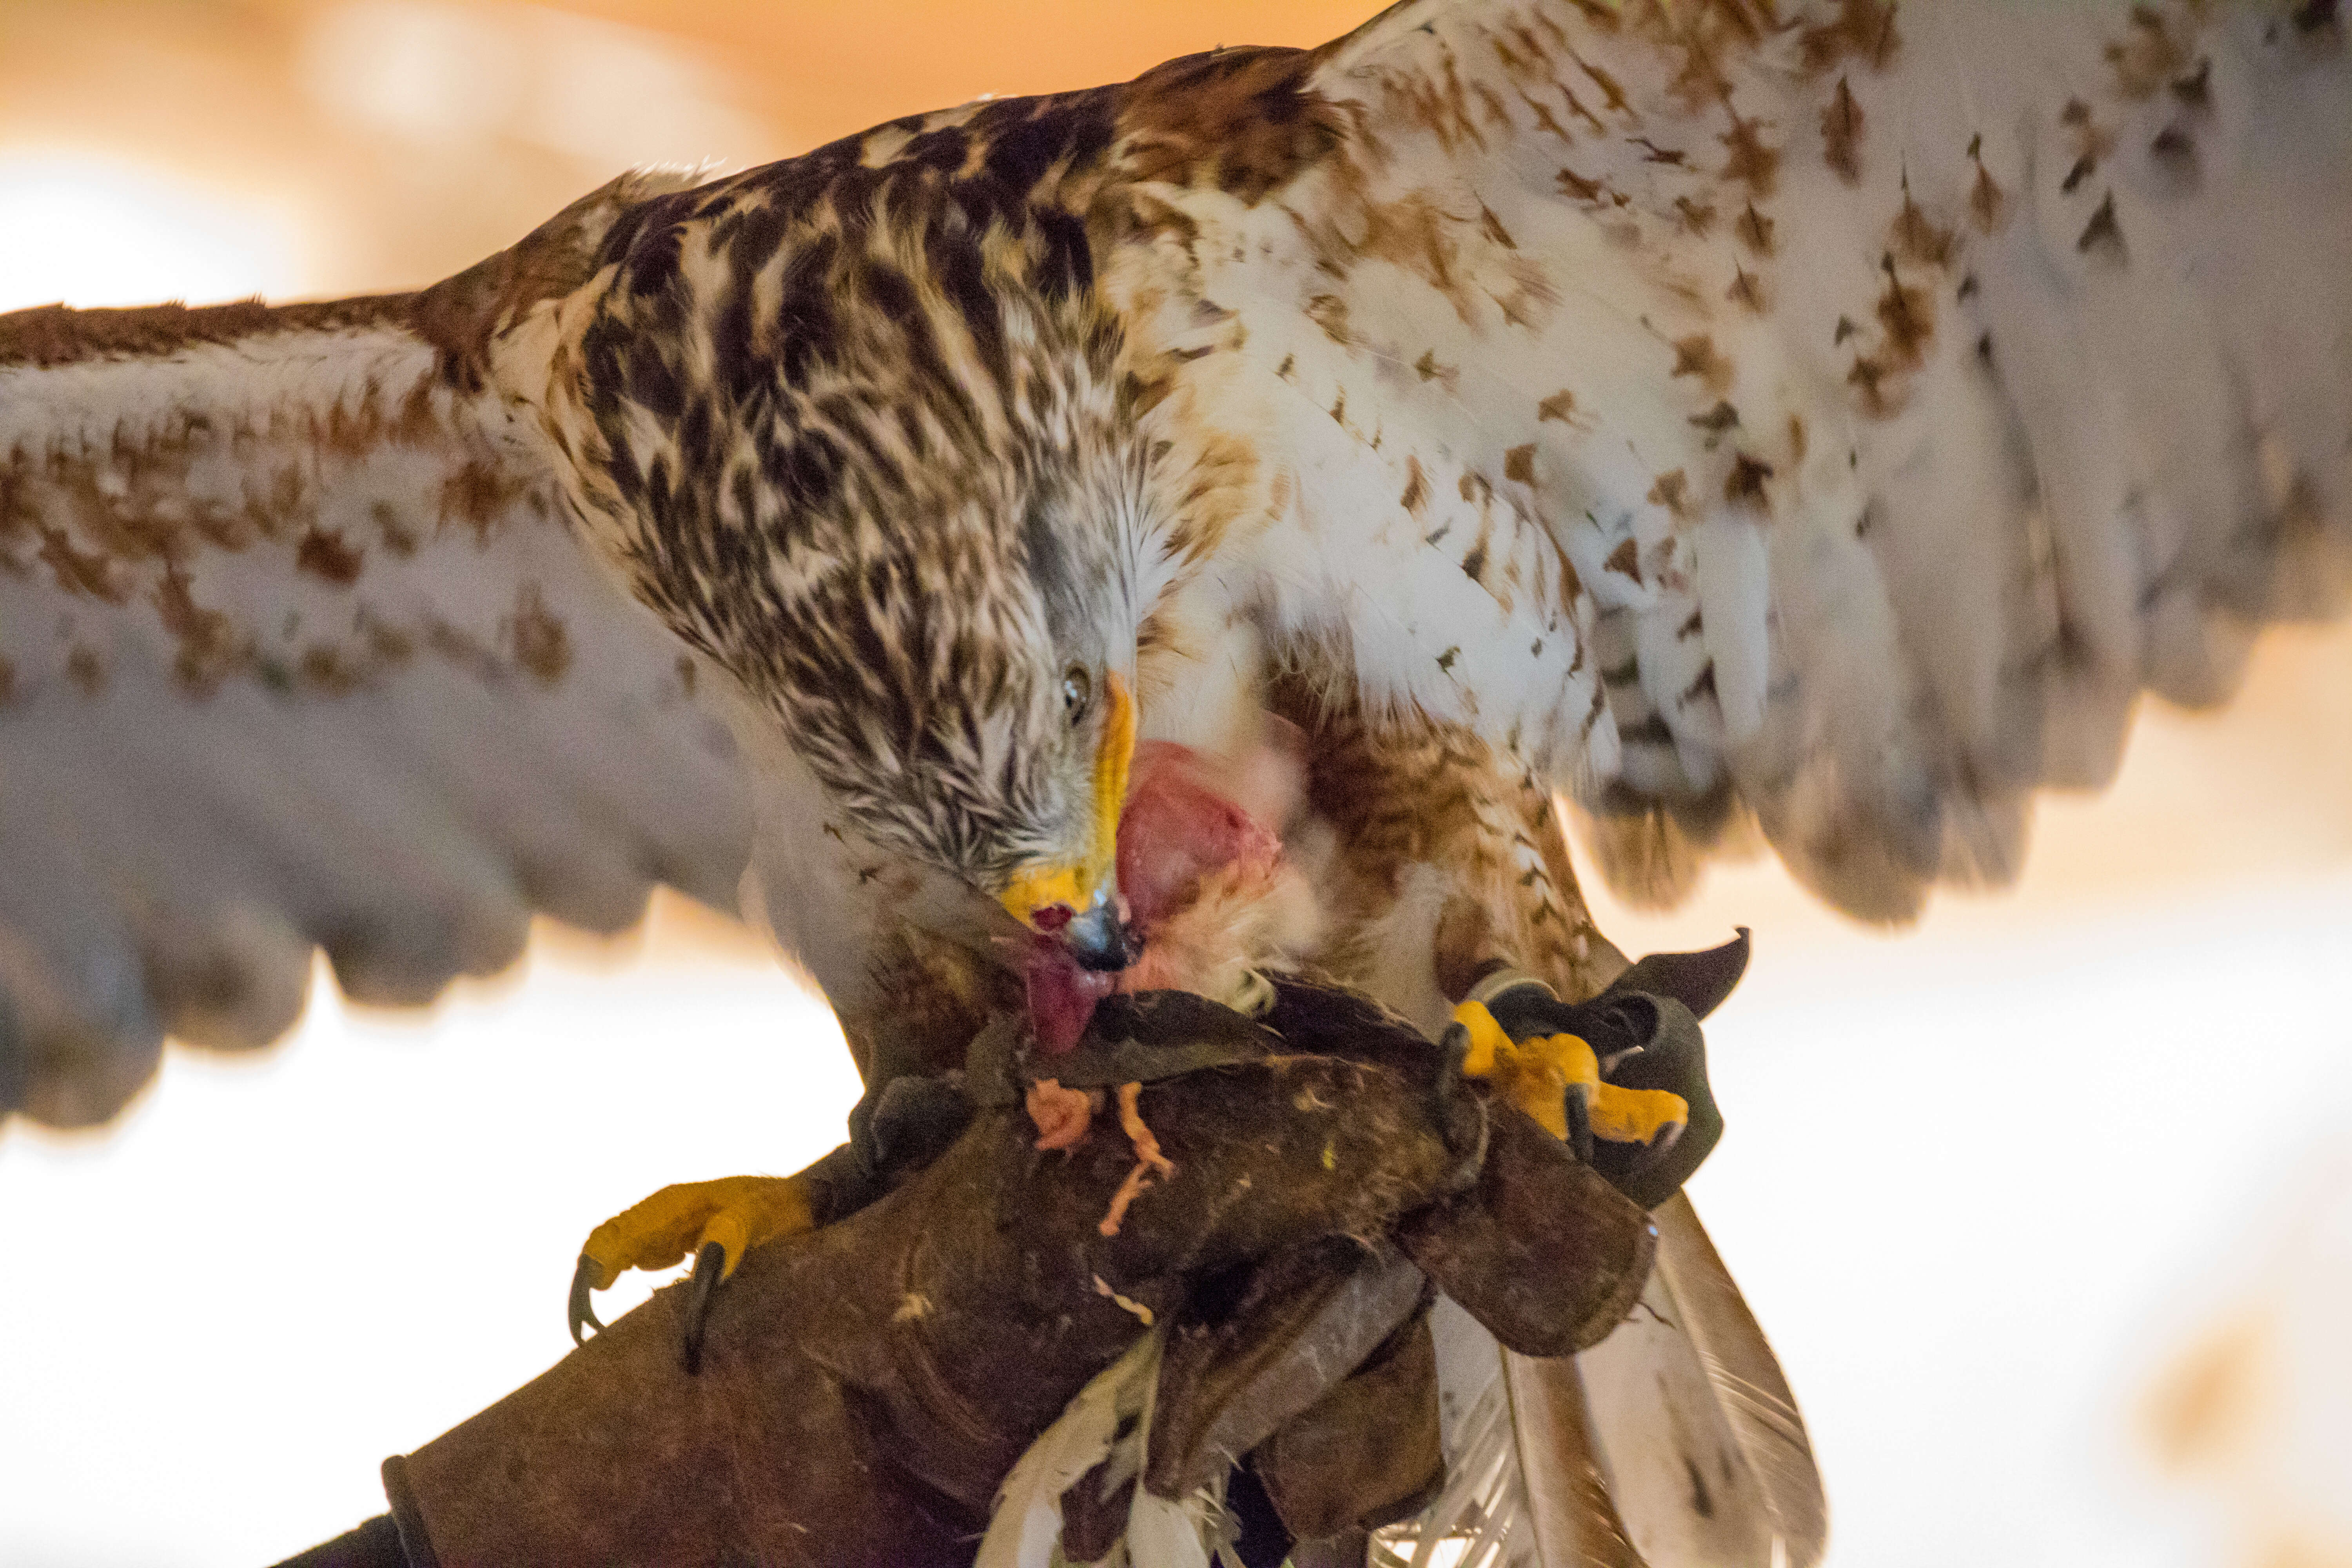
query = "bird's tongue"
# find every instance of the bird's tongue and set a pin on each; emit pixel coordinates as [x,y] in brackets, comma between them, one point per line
[1177,826]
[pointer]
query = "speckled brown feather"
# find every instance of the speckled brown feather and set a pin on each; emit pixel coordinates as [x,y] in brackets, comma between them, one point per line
[296,650]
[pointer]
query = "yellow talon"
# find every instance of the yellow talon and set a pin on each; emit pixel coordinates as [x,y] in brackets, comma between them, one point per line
[1538,1076]
[1636,1115]
[737,1212]
[1488,1042]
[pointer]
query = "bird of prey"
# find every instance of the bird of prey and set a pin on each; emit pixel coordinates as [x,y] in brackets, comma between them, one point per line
[1689,420]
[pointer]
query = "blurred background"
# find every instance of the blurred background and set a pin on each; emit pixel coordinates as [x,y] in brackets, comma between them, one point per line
[2047,1203]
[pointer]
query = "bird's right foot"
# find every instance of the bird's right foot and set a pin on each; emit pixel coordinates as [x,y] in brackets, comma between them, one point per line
[715,1221]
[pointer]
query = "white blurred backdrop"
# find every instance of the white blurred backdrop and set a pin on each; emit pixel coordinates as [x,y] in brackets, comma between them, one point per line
[2047,1204]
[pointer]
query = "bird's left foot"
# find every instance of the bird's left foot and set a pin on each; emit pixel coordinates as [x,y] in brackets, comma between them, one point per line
[1622,1079]
[1556,1079]
[715,1221]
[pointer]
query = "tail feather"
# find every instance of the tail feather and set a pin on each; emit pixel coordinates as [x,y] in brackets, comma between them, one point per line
[1753,1394]
[1674,1444]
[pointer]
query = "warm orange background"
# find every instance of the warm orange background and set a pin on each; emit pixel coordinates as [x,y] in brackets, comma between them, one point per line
[1983,1181]
[223,89]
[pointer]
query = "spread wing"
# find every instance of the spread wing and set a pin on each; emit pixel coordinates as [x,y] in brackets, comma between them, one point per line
[1833,415]
[297,651]
[1828,417]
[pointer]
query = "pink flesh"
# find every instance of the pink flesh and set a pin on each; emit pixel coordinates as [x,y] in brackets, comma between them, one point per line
[1175,829]
[1061,996]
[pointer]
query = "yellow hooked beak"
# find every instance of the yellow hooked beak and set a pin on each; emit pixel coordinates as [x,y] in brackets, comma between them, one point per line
[1082,892]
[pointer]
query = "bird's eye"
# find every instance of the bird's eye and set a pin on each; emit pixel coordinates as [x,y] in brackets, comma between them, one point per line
[1078,693]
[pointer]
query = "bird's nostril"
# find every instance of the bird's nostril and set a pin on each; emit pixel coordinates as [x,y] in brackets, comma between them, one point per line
[1052,918]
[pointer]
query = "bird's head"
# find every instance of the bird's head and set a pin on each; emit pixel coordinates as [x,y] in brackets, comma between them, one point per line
[963,688]
[891,478]
[924,564]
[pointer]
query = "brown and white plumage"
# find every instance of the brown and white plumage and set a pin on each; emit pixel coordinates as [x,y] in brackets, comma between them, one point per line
[1819,420]
[1838,415]
[296,652]
[1838,418]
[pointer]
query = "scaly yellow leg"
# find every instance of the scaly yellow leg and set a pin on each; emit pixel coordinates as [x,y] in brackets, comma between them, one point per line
[734,1213]
[1539,1075]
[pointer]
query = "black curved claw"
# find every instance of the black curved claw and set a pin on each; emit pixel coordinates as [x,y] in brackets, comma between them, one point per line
[1464,1123]
[709,1264]
[1454,1049]
[1674,1060]
[1580,1126]
[1657,1171]
[579,1314]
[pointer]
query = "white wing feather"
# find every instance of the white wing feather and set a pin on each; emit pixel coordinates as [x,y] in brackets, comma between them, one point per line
[297,651]
[1835,414]
[1833,417]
